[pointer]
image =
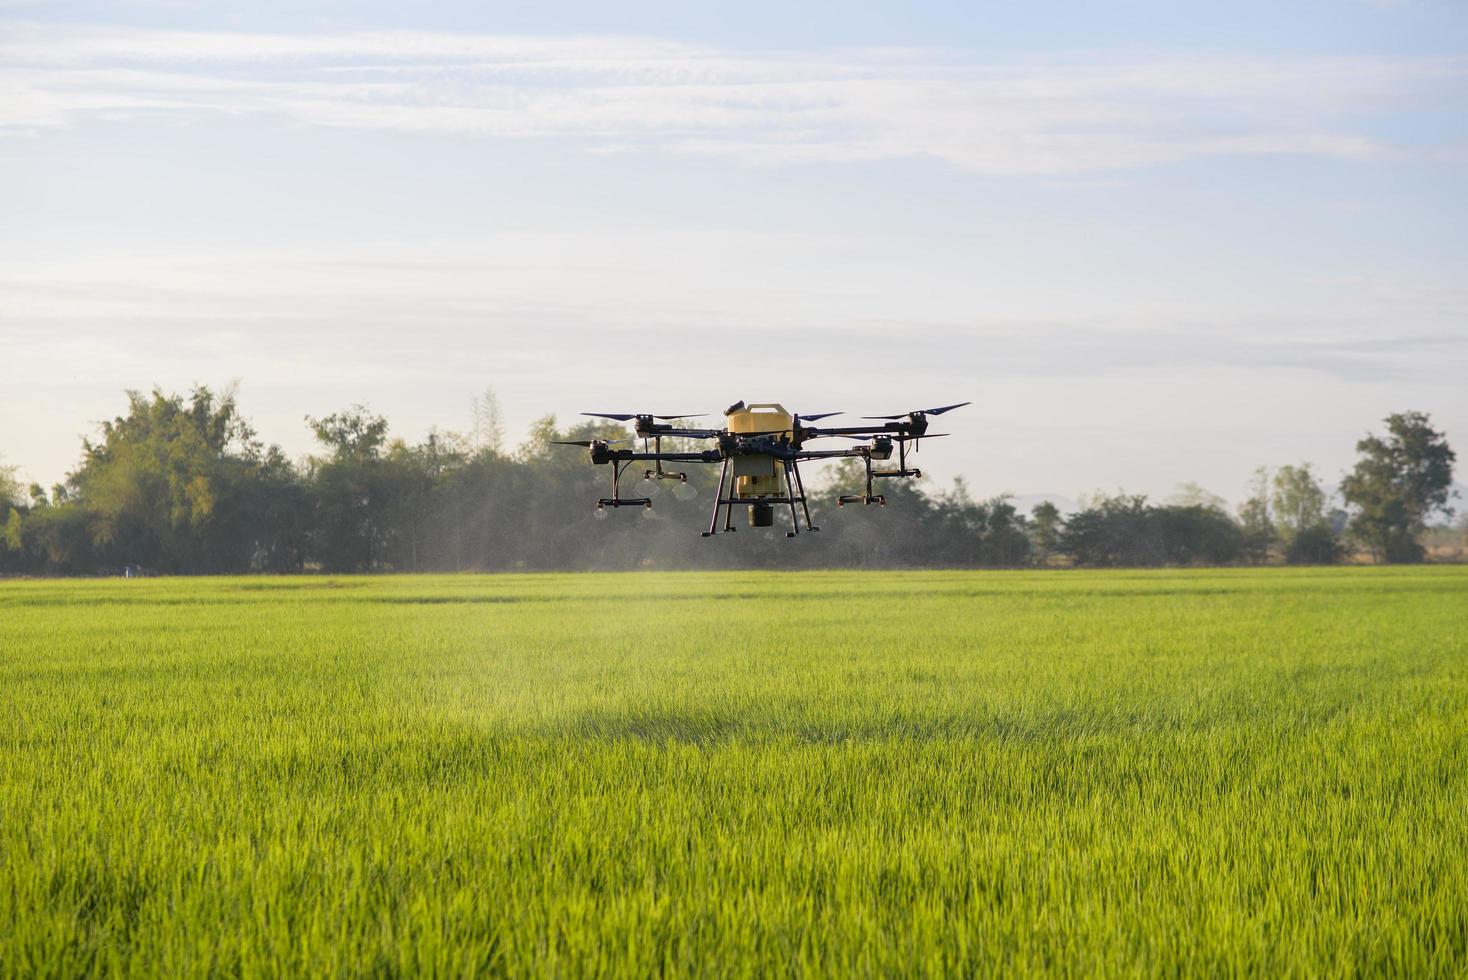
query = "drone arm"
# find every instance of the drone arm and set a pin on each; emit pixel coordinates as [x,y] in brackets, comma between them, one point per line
[855,451]
[670,432]
[706,456]
[890,428]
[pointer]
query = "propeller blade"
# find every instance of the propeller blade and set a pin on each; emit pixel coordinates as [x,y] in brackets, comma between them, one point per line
[629,416]
[946,408]
[929,435]
[921,411]
[587,443]
[816,417]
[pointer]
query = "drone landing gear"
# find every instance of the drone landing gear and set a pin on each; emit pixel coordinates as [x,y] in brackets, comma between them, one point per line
[761,508]
[792,485]
[869,497]
[901,471]
[862,498]
[616,499]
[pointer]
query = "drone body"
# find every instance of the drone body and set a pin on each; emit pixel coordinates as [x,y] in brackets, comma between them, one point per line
[760,450]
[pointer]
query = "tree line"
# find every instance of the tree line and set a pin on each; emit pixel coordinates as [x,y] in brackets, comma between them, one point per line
[183,485]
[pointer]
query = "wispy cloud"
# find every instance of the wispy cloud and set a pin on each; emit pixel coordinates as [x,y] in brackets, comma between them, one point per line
[619,94]
[391,313]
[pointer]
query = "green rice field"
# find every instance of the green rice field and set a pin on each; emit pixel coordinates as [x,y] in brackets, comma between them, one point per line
[1181,773]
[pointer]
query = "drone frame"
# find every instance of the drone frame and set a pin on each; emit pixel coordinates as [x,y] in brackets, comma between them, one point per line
[785,447]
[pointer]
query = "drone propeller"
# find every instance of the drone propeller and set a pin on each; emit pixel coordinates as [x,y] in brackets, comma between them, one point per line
[629,416]
[921,411]
[795,423]
[588,443]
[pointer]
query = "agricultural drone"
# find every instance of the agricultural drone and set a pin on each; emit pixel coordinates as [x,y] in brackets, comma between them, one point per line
[760,450]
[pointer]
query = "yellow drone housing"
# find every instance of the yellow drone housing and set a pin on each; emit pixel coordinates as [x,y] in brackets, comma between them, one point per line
[755,476]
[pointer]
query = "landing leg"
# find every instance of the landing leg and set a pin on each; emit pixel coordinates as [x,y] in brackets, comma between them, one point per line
[718,497]
[868,498]
[800,485]
[790,495]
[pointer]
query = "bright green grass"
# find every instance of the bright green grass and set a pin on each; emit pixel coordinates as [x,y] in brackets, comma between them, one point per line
[1218,772]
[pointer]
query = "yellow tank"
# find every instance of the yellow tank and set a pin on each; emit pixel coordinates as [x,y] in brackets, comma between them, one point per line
[758,476]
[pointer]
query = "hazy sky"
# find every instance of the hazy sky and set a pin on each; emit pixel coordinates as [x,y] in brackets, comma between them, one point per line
[1153,242]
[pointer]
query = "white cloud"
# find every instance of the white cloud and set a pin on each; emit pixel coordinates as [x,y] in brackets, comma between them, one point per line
[621,94]
[670,297]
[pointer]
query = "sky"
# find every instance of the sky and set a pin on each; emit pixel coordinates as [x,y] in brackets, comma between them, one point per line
[1153,242]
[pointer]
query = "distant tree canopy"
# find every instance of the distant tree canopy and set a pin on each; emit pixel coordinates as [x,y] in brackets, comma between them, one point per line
[1398,482]
[1300,517]
[1255,519]
[10,493]
[176,484]
[182,485]
[1126,530]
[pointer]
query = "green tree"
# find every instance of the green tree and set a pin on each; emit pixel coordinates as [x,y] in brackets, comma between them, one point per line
[1298,501]
[349,490]
[10,493]
[1196,535]
[1111,531]
[1255,519]
[1046,526]
[1397,483]
[355,435]
[488,433]
[1125,530]
[14,537]
[57,540]
[414,478]
[1006,534]
[11,554]
[543,432]
[171,484]
[1304,526]
[280,507]
[1193,495]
